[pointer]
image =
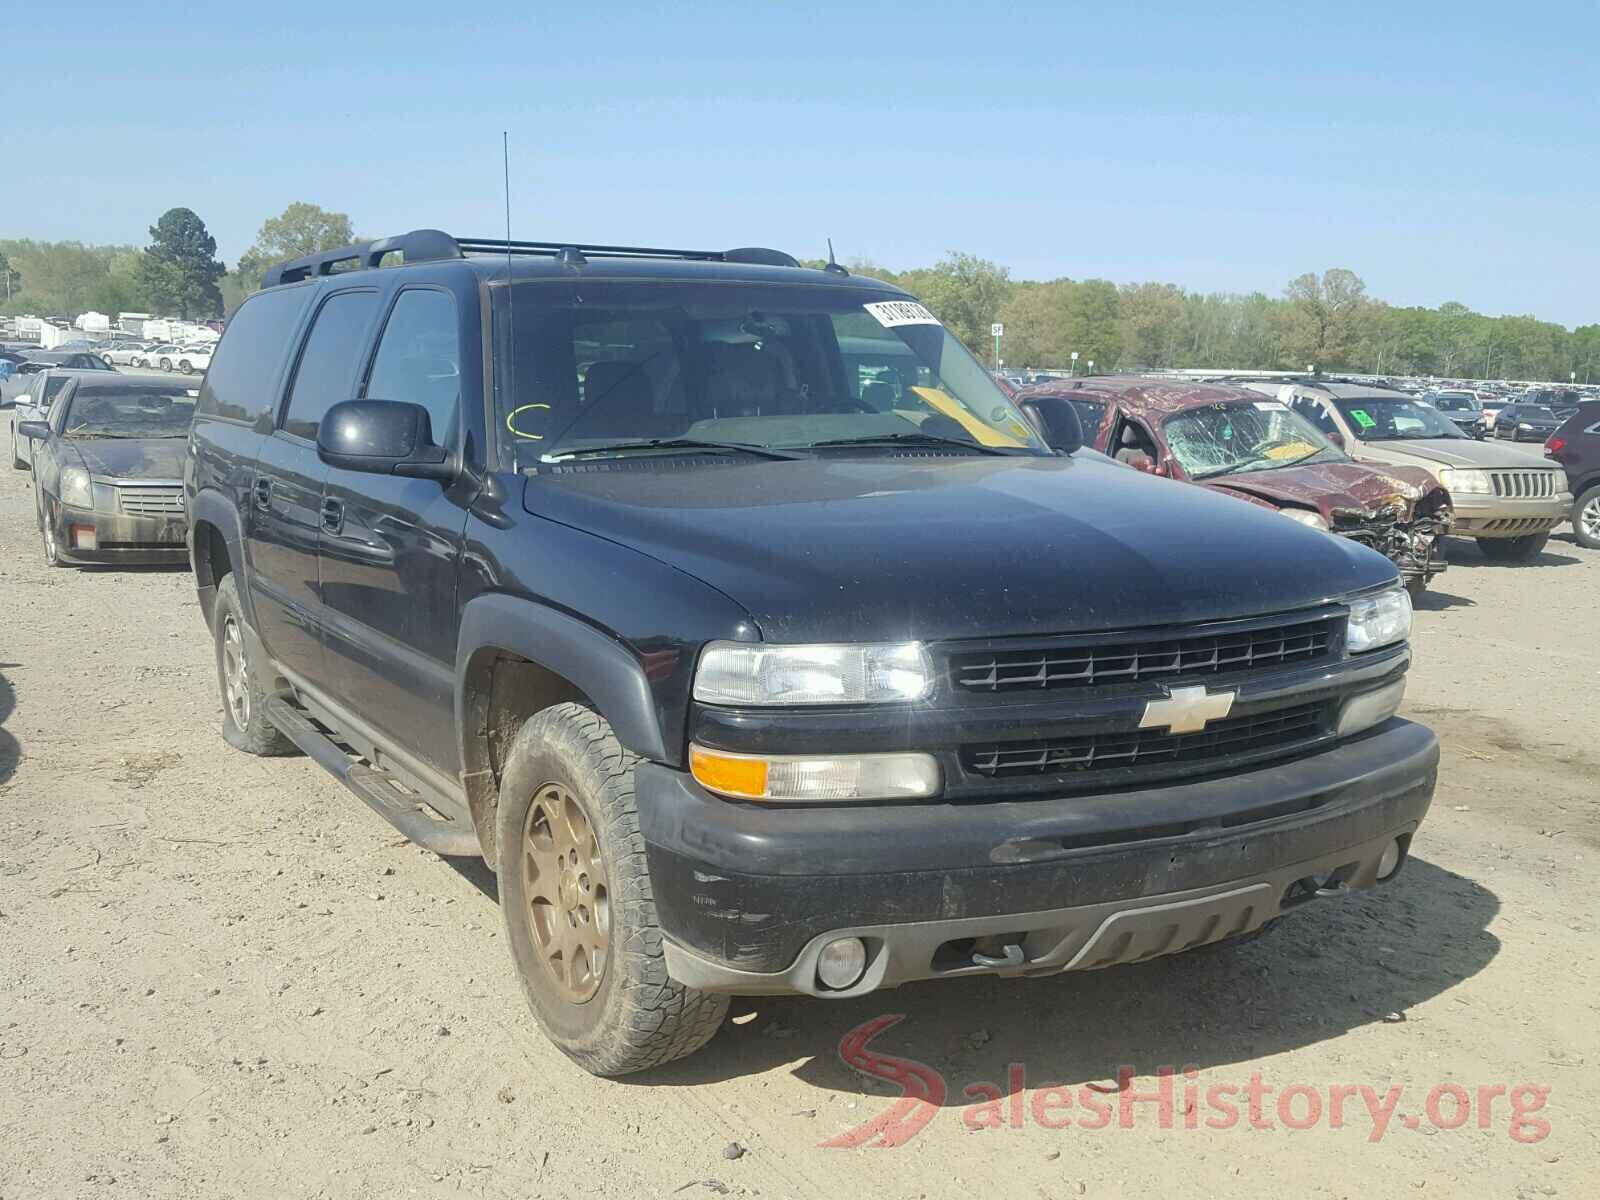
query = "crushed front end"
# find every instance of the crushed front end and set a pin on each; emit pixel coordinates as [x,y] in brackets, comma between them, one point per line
[1408,533]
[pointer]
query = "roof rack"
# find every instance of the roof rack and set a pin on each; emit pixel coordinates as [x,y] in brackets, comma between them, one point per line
[431,245]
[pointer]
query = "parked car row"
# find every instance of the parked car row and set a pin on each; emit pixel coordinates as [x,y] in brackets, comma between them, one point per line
[1374,464]
[186,360]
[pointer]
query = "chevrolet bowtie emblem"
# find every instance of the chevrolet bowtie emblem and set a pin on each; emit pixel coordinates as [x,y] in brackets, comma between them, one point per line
[1187,709]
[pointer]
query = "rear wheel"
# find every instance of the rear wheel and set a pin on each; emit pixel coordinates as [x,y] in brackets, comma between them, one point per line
[1586,518]
[183,365]
[579,910]
[242,676]
[1517,549]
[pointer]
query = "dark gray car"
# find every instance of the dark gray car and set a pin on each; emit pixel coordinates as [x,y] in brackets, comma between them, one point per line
[1576,446]
[108,471]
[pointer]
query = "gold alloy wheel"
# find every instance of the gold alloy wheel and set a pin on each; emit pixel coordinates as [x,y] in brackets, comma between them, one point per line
[563,877]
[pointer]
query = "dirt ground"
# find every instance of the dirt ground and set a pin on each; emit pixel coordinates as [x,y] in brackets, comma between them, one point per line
[225,977]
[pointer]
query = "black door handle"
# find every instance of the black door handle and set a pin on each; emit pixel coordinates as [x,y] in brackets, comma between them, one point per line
[263,493]
[332,515]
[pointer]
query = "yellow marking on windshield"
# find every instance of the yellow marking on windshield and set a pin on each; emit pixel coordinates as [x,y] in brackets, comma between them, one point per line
[511,422]
[942,402]
[1290,450]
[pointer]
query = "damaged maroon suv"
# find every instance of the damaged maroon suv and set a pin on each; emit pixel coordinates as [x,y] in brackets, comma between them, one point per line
[1236,442]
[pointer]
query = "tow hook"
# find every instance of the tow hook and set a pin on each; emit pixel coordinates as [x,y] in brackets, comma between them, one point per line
[1010,956]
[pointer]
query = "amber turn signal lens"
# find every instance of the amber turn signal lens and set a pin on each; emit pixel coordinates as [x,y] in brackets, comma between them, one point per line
[732,775]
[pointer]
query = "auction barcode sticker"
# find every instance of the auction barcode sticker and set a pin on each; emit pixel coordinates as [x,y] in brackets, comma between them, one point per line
[900,312]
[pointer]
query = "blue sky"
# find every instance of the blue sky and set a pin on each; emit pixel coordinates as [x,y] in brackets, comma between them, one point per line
[1442,151]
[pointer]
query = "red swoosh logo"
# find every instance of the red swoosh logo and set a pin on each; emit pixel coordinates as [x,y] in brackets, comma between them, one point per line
[922,1089]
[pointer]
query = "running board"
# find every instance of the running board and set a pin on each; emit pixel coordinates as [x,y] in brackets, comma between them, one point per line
[402,806]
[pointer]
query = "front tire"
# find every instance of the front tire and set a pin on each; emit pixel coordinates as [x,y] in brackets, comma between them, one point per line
[16,459]
[1586,518]
[579,910]
[1517,549]
[47,534]
[166,364]
[242,675]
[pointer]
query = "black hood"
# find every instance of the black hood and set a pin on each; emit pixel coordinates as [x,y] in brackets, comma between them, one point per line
[131,458]
[881,549]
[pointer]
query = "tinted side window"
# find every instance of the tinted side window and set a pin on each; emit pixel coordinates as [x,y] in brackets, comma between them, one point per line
[239,386]
[331,360]
[419,358]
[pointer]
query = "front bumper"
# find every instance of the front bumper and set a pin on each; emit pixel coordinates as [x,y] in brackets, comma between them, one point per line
[118,538]
[1494,516]
[747,896]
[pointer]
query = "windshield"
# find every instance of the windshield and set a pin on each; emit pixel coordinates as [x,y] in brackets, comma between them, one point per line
[1393,419]
[581,367]
[1229,438]
[1538,411]
[135,413]
[1456,402]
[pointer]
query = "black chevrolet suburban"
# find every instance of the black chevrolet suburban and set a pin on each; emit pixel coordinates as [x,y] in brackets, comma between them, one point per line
[760,644]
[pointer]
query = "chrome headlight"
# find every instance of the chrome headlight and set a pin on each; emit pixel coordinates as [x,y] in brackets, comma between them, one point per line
[1465,483]
[1379,620]
[741,673]
[1306,517]
[76,489]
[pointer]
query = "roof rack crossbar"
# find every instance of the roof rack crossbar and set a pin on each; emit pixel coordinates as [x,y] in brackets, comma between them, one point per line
[426,245]
[500,246]
[757,255]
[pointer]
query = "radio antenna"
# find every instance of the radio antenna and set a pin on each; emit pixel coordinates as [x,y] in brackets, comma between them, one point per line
[511,308]
[833,267]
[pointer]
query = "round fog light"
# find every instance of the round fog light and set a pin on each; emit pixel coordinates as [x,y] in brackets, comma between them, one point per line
[841,963]
[1390,862]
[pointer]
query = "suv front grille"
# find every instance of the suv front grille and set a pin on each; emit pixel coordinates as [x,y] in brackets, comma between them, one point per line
[1230,737]
[1524,485]
[1075,665]
[150,501]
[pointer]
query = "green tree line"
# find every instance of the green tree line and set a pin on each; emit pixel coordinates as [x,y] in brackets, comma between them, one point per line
[1324,320]
[176,274]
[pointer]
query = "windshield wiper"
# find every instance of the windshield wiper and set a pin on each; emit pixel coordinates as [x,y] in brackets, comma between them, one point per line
[919,439]
[673,444]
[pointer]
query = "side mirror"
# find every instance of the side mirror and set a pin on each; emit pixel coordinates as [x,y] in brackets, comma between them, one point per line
[1140,461]
[37,430]
[1336,438]
[1056,419]
[383,437]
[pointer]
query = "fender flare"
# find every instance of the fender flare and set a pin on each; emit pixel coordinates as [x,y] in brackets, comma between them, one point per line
[215,509]
[595,663]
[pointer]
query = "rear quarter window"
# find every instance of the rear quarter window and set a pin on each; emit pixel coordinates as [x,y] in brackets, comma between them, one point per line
[242,381]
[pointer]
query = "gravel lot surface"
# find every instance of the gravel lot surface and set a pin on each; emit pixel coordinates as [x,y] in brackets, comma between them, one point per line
[225,977]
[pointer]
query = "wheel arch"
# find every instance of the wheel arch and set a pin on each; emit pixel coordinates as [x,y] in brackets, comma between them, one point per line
[516,657]
[216,539]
